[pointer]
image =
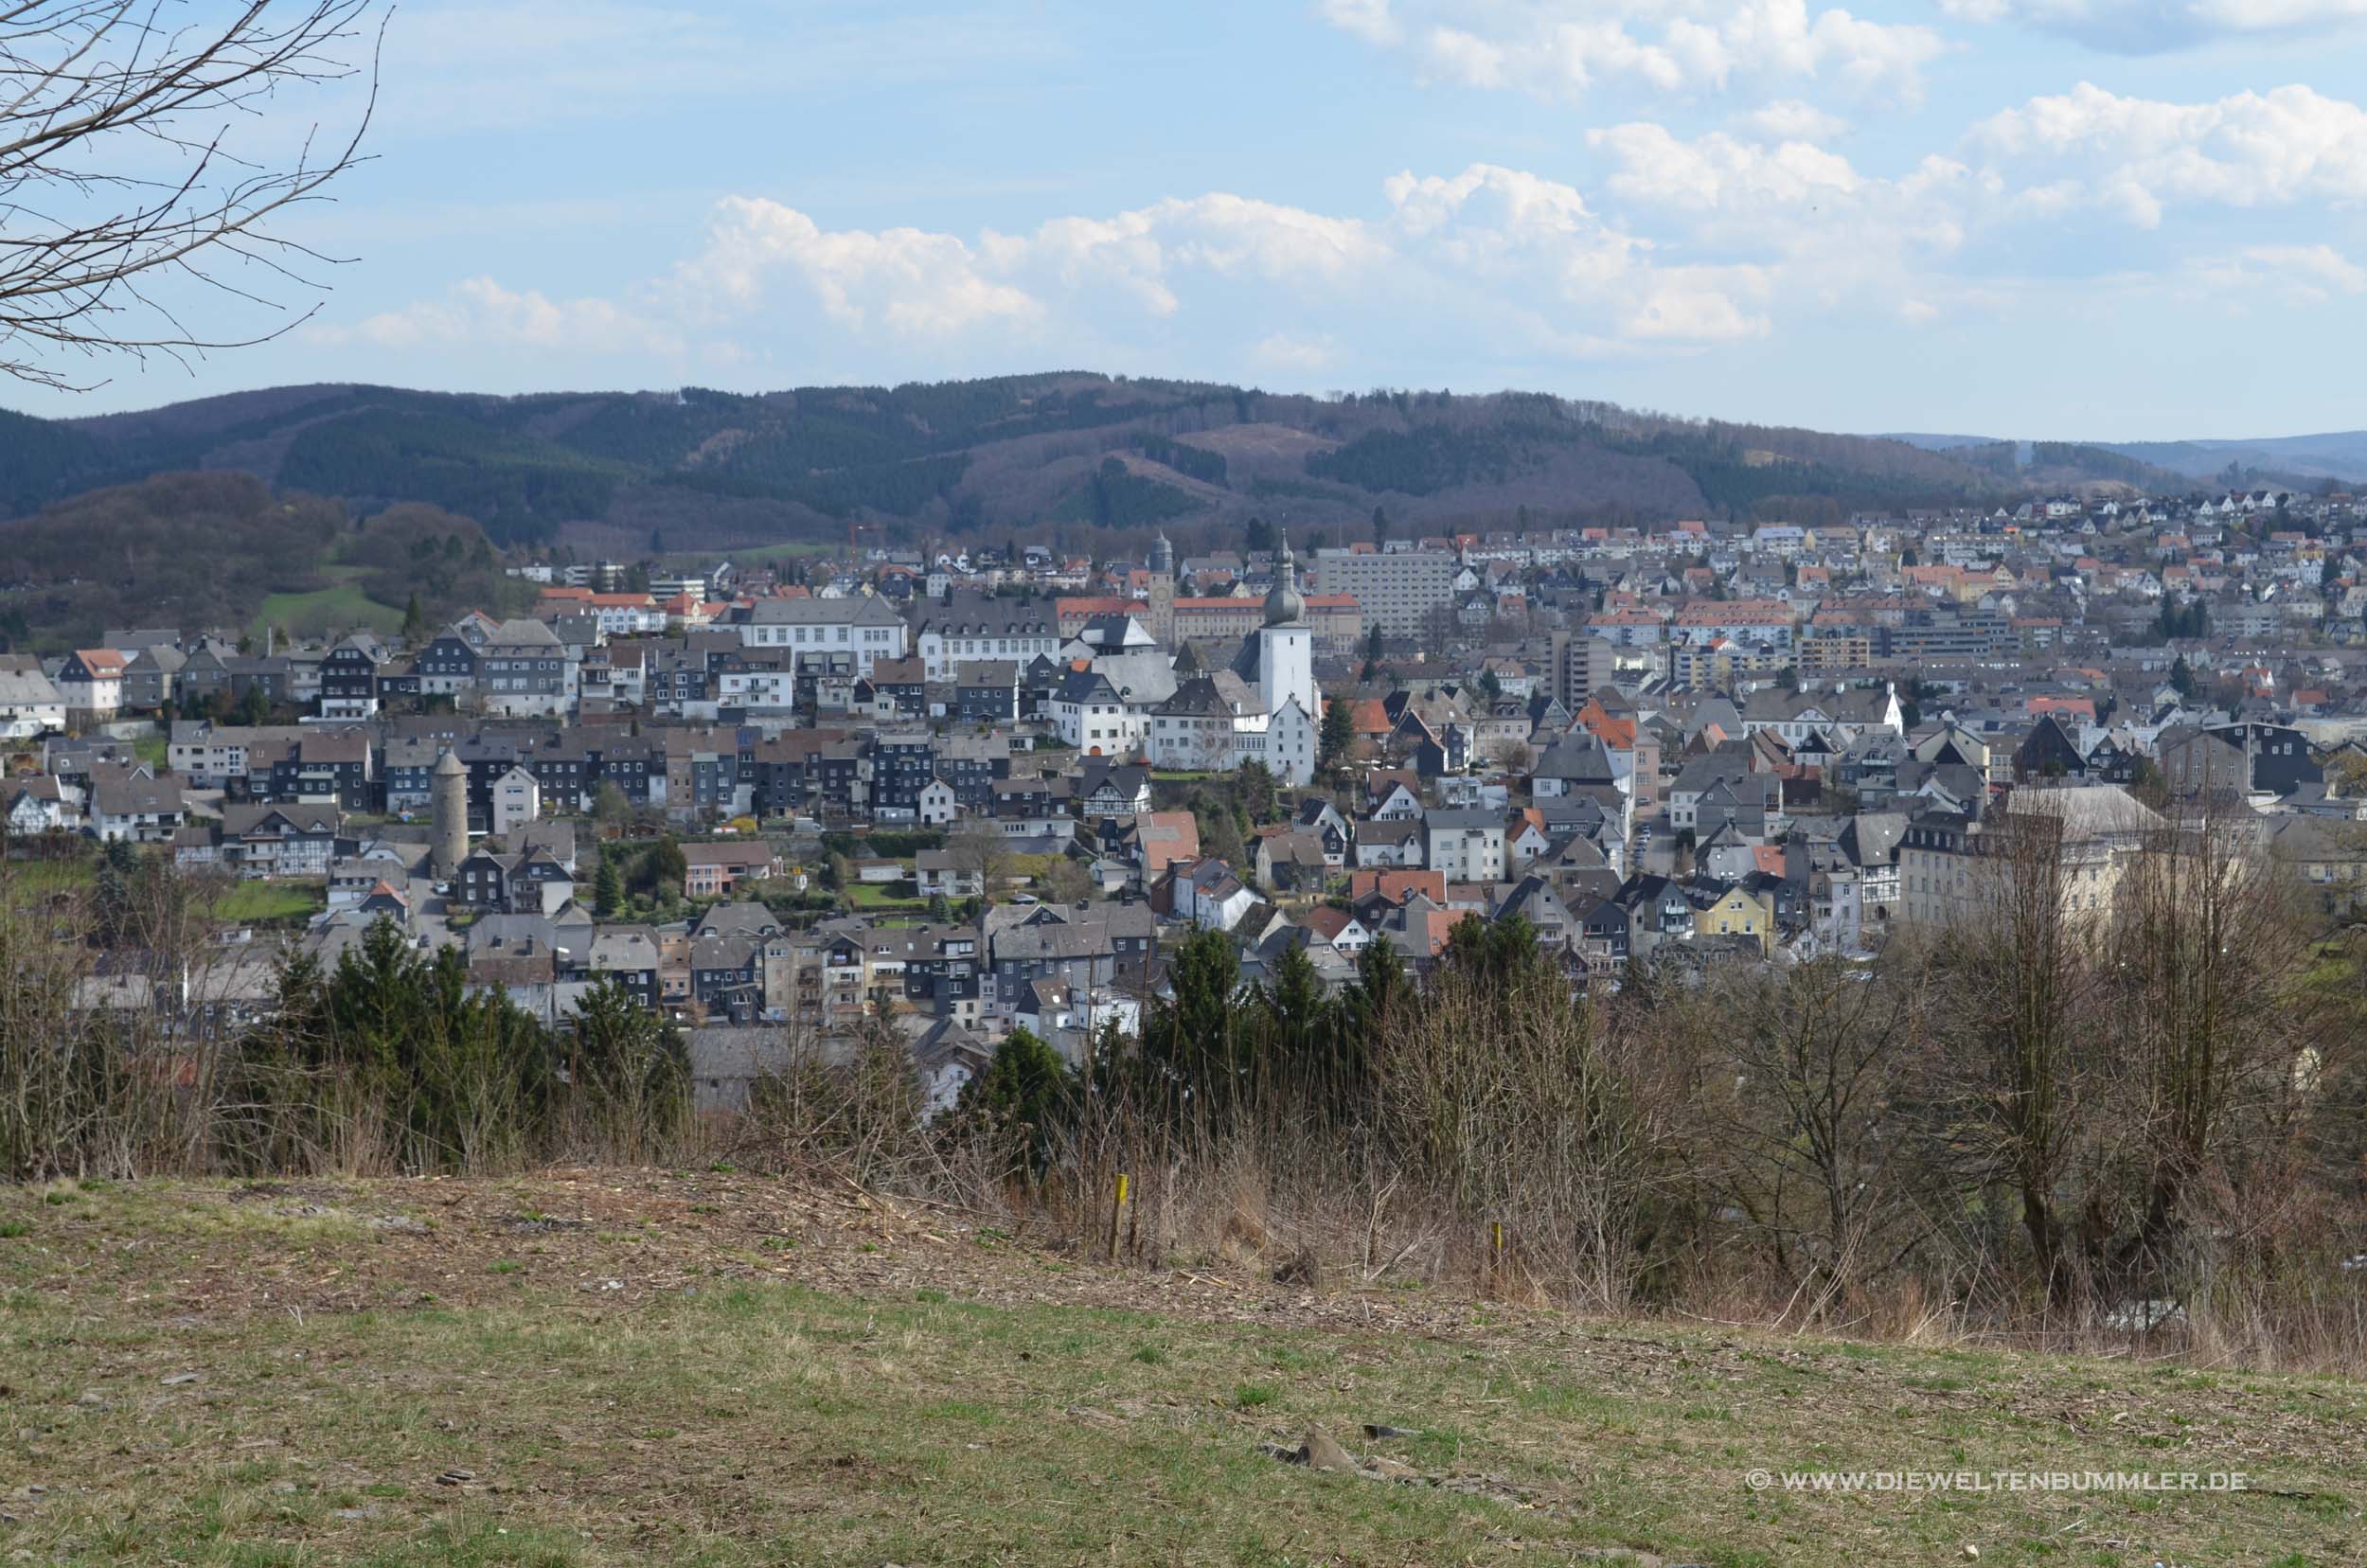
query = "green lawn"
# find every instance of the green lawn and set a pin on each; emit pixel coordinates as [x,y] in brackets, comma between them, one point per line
[325,612]
[611,1367]
[266,902]
[30,881]
[883,895]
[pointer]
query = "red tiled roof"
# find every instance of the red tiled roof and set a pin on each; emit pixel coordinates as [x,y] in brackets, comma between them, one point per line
[1396,884]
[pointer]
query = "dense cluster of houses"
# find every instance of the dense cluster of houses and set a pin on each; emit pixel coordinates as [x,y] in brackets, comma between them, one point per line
[1697,742]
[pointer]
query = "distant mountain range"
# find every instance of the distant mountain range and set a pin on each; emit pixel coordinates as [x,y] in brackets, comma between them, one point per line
[1066,454]
[2338,454]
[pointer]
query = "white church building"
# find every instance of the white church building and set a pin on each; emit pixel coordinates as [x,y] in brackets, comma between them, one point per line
[1265,709]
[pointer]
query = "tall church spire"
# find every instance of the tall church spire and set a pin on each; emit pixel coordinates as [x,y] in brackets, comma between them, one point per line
[1283,607]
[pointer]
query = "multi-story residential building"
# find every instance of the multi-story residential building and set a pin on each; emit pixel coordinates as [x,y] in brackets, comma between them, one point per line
[629,955]
[975,628]
[902,765]
[313,766]
[1398,591]
[847,634]
[1093,717]
[1466,844]
[1955,869]
[447,666]
[349,677]
[1762,625]
[1929,636]
[31,704]
[148,678]
[284,841]
[91,680]
[524,670]
[135,806]
[715,870]
[517,800]
[987,692]
[1836,717]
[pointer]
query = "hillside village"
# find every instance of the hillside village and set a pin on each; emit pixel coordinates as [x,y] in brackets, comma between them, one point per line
[961,791]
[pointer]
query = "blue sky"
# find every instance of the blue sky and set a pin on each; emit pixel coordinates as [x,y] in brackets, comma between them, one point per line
[2112,219]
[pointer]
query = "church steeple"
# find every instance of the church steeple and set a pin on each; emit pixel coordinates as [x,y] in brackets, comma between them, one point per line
[1284,606]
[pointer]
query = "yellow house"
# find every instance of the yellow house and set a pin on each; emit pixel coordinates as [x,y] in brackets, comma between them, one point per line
[1737,912]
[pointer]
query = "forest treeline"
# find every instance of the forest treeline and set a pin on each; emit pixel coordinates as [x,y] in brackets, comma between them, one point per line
[1004,450]
[210,550]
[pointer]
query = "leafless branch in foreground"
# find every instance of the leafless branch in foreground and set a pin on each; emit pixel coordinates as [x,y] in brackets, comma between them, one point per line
[121,171]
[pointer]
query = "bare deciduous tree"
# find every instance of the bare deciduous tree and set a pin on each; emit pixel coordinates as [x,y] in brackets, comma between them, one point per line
[124,175]
[1803,1130]
[979,848]
[2218,1031]
[1512,756]
[2026,968]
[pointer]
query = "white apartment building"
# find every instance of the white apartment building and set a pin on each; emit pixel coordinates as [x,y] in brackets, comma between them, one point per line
[1396,590]
[852,633]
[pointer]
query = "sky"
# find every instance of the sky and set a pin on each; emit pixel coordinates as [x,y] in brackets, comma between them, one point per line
[2077,219]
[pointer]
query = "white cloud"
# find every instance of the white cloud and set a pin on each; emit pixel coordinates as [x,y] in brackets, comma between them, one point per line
[1517,264]
[1488,231]
[1676,245]
[1793,119]
[1559,48]
[1294,352]
[1536,240]
[478,311]
[1821,230]
[1718,173]
[909,280]
[2137,156]
[1369,20]
[1234,235]
[2301,275]
[2148,27]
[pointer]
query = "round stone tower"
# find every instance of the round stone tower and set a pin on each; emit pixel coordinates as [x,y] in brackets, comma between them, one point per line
[448,802]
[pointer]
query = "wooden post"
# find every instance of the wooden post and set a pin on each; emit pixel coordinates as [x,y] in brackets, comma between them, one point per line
[1117,1214]
[1495,1254]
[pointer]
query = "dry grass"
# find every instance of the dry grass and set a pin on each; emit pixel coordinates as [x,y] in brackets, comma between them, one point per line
[635,1366]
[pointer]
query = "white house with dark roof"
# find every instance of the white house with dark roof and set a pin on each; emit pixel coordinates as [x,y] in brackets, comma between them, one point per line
[31,704]
[524,670]
[850,634]
[975,628]
[91,680]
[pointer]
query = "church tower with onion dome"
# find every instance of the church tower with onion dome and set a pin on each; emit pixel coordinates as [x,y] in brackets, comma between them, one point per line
[1286,649]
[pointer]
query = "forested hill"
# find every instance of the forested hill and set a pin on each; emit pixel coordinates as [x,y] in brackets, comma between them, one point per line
[1071,449]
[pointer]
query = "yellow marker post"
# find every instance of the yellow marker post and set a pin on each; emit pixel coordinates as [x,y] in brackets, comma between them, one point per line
[1117,1214]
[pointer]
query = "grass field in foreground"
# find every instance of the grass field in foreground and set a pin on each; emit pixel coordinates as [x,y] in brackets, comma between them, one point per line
[611,1367]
